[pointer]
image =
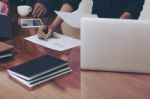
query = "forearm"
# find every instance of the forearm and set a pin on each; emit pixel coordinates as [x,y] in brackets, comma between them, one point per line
[57,21]
[126,15]
[135,7]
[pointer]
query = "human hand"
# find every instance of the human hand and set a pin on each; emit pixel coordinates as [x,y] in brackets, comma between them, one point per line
[39,10]
[5,1]
[45,34]
[4,7]
[126,15]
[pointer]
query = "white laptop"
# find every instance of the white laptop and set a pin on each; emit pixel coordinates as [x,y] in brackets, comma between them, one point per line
[115,45]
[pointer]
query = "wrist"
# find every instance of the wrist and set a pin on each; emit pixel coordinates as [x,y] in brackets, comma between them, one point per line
[51,27]
[126,15]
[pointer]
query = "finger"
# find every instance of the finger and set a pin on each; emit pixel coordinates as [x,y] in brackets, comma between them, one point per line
[49,34]
[44,12]
[40,30]
[36,10]
[41,34]
[41,11]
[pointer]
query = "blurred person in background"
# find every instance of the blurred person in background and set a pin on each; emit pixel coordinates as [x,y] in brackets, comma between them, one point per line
[124,9]
[59,5]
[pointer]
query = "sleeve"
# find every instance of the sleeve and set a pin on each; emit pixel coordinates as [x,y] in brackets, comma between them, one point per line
[46,3]
[135,7]
[73,3]
[18,2]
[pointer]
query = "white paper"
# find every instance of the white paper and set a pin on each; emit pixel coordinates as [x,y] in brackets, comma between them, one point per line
[74,18]
[58,42]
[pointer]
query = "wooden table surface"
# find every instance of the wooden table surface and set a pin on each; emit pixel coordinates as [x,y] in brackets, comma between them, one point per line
[76,85]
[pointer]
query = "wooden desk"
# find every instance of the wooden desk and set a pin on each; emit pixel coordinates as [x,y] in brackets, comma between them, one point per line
[76,85]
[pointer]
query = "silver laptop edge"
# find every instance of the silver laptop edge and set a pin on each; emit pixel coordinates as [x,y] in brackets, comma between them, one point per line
[115,45]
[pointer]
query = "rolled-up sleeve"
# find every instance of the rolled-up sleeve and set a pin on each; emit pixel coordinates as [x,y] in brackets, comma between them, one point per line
[135,7]
[73,3]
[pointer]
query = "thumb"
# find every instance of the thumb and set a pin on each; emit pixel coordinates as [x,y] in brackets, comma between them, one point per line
[50,32]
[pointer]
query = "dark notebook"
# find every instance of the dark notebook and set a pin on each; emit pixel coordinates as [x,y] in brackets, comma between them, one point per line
[49,73]
[5,54]
[37,67]
[43,78]
[5,47]
[5,27]
[5,50]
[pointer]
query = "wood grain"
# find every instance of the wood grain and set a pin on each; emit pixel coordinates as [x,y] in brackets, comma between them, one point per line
[76,85]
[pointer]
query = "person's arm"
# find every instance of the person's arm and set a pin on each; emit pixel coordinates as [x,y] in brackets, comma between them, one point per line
[68,6]
[74,3]
[57,21]
[65,8]
[41,7]
[133,9]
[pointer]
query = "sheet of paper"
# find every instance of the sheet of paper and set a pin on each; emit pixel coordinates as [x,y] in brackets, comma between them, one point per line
[58,42]
[73,18]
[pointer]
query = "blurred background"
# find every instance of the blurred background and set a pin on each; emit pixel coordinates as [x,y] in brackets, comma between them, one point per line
[86,5]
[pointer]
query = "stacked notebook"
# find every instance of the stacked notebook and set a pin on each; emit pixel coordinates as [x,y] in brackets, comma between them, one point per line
[5,50]
[39,70]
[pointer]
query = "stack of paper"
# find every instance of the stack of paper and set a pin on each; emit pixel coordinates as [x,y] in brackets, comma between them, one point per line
[58,42]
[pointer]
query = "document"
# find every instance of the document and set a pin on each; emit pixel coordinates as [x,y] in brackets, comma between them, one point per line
[58,42]
[73,18]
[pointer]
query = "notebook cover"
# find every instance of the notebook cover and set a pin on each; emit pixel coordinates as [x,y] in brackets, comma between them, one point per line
[49,73]
[42,79]
[5,55]
[39,83]
[37,67]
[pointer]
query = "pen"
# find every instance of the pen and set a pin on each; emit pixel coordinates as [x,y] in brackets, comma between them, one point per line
[45,30]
